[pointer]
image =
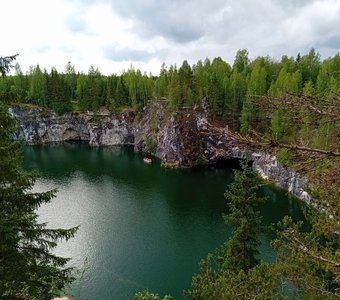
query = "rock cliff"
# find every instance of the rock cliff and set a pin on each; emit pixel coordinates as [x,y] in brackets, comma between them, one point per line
[182,139]
[40,126]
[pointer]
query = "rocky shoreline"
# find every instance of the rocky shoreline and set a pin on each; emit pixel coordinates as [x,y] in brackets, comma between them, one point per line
[183,139]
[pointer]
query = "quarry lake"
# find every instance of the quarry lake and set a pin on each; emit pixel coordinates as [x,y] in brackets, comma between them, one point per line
[141,226]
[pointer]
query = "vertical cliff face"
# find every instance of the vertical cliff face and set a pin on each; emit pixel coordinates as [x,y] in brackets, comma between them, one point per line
[109,131]
[39,126]
[269,168]
[187,138]
[182,139]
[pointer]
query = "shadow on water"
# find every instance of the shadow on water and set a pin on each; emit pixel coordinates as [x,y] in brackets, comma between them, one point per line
[142,226]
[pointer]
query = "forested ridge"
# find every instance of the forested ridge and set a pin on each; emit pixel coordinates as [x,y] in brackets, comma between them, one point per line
[289,107]
[241,95]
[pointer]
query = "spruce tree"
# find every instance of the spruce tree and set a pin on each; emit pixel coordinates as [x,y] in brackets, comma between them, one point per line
[28,268]
[38,87]
[233,271]
[244,219]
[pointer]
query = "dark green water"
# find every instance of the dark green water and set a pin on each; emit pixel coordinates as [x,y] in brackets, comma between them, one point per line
[141,226]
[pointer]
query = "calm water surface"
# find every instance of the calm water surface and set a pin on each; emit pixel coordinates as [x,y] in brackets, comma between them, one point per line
[141,226]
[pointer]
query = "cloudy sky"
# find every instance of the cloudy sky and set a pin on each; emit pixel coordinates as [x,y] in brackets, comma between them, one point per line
[114,34]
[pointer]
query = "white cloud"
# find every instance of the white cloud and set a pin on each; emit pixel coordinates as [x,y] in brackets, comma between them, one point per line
[113,34]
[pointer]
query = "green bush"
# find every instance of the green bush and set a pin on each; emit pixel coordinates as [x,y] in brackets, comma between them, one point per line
[150,145]
[147,295]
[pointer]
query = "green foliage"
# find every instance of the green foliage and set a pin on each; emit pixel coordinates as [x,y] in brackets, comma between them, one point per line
[161,83]
[174,89]
[233,271]
[5,64]
[261,282]
[238,90]
[28,267]
[70,81]
[257,86]
[185,77]
[20,85]
[234,93]
[57,93]
[37,93]
[241,61]
[285,157]
[150,144]
[323,134]
[245,221]
[309,66]
[277,125]
[147,295]
[201,160]
[308,259]
[121,92]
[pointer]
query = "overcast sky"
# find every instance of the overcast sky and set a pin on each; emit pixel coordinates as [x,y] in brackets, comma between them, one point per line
[114,34]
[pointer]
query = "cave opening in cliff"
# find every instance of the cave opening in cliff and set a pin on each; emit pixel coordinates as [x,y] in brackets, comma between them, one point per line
[77,141]
[232,163]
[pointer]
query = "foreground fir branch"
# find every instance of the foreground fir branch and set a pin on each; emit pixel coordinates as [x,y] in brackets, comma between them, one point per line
[28,267]
[5,64]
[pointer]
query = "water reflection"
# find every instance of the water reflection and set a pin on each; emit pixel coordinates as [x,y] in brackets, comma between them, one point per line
[140,226]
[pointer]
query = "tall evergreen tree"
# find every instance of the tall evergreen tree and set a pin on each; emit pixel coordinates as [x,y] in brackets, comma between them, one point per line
[38,87]
[309,66]
[244,219]
[111,100]
[200,79]
[20,85]
[28,268]
[161,84]
[57,93]
[80,92]
[185,78]
[238,89]
[234,271]
[70,80]
[174,90]
[6,64]
[122,93]
[250,115]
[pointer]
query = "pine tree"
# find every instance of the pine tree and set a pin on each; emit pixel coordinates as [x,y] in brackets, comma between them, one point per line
[57,93]
[38,87]
[238,88]
[309,66]
[185,78]
[28,268]
[233,271]
[250,115]
[245,221]
[5,64]
[111,101]
[122,93]
[70,80]
[80,92]
[200,79]
[161,84]
[174,89]
[20,86]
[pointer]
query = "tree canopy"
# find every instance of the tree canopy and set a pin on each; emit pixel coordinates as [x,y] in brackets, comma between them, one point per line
[289,107]
[28,267]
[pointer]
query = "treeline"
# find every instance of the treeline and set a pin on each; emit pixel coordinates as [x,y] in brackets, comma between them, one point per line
[70,90]
[237,93]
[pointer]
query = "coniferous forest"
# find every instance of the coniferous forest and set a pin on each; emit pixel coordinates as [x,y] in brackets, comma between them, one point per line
[242,94]
[292,106]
